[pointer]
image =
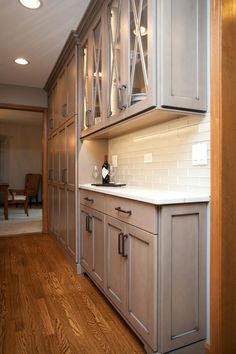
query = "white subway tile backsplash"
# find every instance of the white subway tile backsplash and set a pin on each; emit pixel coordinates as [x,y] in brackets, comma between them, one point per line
[171,146]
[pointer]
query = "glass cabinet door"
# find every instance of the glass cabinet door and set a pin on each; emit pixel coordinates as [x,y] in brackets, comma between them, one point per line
[92,76]
[131,45]
[138,51]
[85,87]
[114,57]
[97,74]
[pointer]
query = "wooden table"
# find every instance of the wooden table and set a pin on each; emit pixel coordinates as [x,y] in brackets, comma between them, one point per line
[4,189]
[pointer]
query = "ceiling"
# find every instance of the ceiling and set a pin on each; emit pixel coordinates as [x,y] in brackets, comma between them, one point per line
[11,116]
[37,35]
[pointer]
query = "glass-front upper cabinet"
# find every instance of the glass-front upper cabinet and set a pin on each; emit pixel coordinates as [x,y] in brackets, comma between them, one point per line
[131,45]
[92,70]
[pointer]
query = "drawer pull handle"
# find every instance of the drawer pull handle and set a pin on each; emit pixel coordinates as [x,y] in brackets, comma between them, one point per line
[124,211]
[124,237]
[119,242]
[89,200]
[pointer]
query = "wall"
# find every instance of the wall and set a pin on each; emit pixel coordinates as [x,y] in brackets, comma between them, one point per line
[22,95]
[171,146]
[22,152]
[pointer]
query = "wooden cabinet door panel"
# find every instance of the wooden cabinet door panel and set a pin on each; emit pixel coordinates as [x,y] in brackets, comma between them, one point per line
[71,87]
[98,246]
[183,275]
[62,215]
[50,208]
[71,227]
[141,248]
[62,156]
[56,158]
[71,150]
[115,264]
[55,227]
[86,241]
[62,99]
[184,32]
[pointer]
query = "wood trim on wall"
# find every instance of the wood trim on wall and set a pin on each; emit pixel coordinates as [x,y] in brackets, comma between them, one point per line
[44,112]
[223,177]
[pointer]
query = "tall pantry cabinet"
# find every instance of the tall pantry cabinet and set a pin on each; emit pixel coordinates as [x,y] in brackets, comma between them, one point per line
[62,148]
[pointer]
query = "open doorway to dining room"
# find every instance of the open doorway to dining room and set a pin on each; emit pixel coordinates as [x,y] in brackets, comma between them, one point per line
[22,170]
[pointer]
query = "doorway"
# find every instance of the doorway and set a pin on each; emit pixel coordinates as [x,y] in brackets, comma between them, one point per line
[23,161]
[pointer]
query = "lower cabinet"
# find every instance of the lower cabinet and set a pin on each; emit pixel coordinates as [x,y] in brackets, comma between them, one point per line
[92,243]
[131,282]
[157,281]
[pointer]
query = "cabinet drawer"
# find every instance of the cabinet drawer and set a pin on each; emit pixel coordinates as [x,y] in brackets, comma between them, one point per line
[142,215]
[92,199]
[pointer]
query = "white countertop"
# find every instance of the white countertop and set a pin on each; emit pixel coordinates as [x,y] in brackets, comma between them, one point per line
[155,196]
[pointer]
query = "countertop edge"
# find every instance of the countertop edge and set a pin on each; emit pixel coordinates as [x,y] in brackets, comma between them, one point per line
[146,199]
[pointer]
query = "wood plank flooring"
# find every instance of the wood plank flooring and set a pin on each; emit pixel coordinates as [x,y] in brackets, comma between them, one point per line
[46,308]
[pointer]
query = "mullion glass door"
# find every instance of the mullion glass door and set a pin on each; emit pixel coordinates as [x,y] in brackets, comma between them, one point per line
[114,67]
[97,74]
[138,51]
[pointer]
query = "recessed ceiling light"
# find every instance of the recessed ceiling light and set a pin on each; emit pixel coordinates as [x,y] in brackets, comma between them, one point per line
[31,4]
[21,61]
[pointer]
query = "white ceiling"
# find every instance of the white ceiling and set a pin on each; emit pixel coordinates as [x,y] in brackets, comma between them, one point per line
[10,116]
[38,35]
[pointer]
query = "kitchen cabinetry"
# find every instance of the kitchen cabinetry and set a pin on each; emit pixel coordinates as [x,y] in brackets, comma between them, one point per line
[62,148]
[184,83]
[131,43]
[92,243]
[152,262]
[62,162]
[131,261]
[93,70]
[139,55]
[62,99]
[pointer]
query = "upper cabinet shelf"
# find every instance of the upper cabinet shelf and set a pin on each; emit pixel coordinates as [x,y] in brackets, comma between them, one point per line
[140,55]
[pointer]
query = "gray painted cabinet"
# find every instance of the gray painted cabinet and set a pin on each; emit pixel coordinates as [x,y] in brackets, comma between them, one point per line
[131,282]
[184,58]
[183,275]
[157,281]
[92,243]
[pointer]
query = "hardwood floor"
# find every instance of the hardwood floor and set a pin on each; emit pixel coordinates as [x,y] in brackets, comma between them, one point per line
[45,307]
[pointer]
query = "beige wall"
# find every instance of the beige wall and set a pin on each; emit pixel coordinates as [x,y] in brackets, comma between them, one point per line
[22,95]
[171,146]
[22,152]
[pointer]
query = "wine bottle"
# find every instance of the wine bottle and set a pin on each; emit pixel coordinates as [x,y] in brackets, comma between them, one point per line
[105,171]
